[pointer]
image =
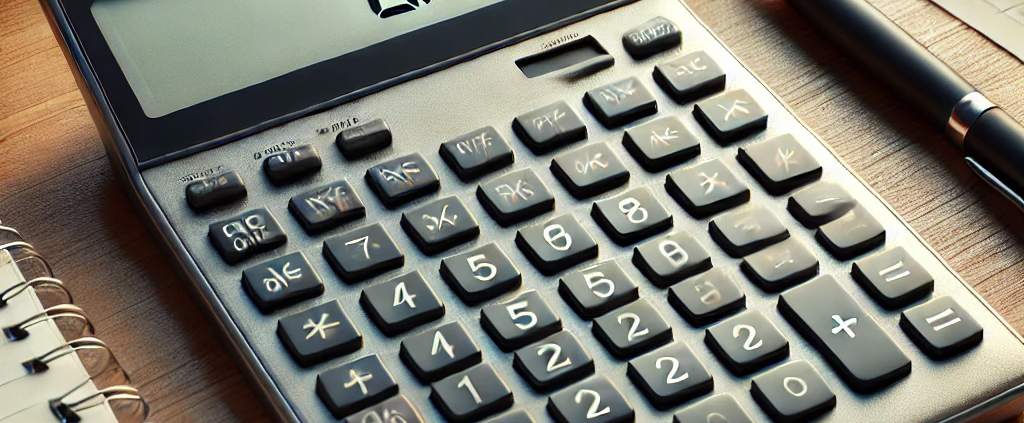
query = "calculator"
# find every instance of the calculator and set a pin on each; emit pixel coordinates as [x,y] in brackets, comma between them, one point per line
[579,211]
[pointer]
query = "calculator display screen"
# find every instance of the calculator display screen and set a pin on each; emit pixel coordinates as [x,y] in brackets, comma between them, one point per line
[179,53]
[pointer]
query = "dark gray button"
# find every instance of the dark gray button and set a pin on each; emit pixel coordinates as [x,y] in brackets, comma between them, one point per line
[440,225]
[793,393]
[549,127]
[652,37]
[707,297]
[402,180]
[780,164]
[661,143]
[291,164]
[731,115]
[521,321]
[941,328]
[620,102]
[893,278]
[355,386]
[480,274]
[477,153]
[706,189]
[631,217]
[327,207]
[632,329]
[590,170]
[281,282]
[717,409]
[747,342]
[746,231]
[553,362]
[515,416]
[690,77]
[670,375]
[856,233]
[515,196]
[318,334]
[247,234]
[557,244]
[364,139]
[363,253]
[849,339]
[780,266]
[598,289]
[671,258]
[821,203]
[215,190]
[401,304]
[439,352]
[397,409]
[471,395]
[595,400]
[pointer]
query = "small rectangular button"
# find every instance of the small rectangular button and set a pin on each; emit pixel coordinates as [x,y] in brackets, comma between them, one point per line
[747,342]
[731,116]
[822,203]
[248,234]
[652,37]
[856,233]
[318,334]
[721,408]
[402,180]
[550,127]
[748,230]
[515,196]
[661,143]
[793,393]
[364,139]
[631,217]
[282,282]
[707,297]
[401,304]
[520,321]
[781,164]
[706,188]
[671,258]
[670,375]
[632,329]
[291,164]
[557,244]
[780,266]
[621,102]
[215,190]
[690,77]
[477,153]
[480,274]
[439,352]
[893,278]
[363,253]
[471,395]
[356,385]
[598,289]
[396,406]
[590,170]
[613,406]
[553,362]
[327,207]
[941,328]
[440,225]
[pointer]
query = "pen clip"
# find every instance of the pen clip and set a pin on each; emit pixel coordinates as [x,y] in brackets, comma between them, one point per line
[994,182]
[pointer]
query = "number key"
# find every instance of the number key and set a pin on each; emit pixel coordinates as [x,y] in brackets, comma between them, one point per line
[705,298]
[363,253]
[670,258]
[553,362]
[471,395]
[439,352]
[521,321]
[597,290]
[746,231]
[670,375]
[717,409]
[401,304]
[793,392]
[480,274]
[747,342]
[595,400]
[355,385]
[632,330]
[631,217]
[557,244]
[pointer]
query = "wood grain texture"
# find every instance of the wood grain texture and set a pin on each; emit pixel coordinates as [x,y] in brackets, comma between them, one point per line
[56,185]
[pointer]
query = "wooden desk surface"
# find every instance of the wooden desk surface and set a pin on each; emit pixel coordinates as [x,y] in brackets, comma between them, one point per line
[57,188]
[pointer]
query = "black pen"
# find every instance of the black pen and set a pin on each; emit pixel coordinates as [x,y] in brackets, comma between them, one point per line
[992,142]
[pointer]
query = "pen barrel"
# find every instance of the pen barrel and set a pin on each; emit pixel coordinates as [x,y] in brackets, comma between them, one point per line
[996,142]
[891,54]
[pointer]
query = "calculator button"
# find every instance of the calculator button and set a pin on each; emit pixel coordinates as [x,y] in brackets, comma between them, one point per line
[398,409]
[439,352]
[706,189]
[690,77]
[590,170]
[652,37]
[941,328]
[247,234]
[318,334]
[480,274]
[706,298]
[549,127]
[363,253]
[440,225]
[515,197]
[747,231]
[747,342]
[731,115]
[595,400]
[849,339]
[291,164]
[516,416]
[670,375]
[780,266]
[477,153]
[671,258]
[631,217]
[553,362]
[471,395]
[597,290]
[364,139]
[717,409]
[661,143]
[632,330]
[820,204]
[401,304]
[793,393]
[780,164]
[215,190]
[893,278]
[557,244]
[355,386]
[856,233]
[402,180]
[327,207]
[281,282]
[621,102]
[520,321]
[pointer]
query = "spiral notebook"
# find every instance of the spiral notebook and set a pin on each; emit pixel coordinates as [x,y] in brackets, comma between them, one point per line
[52,367]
